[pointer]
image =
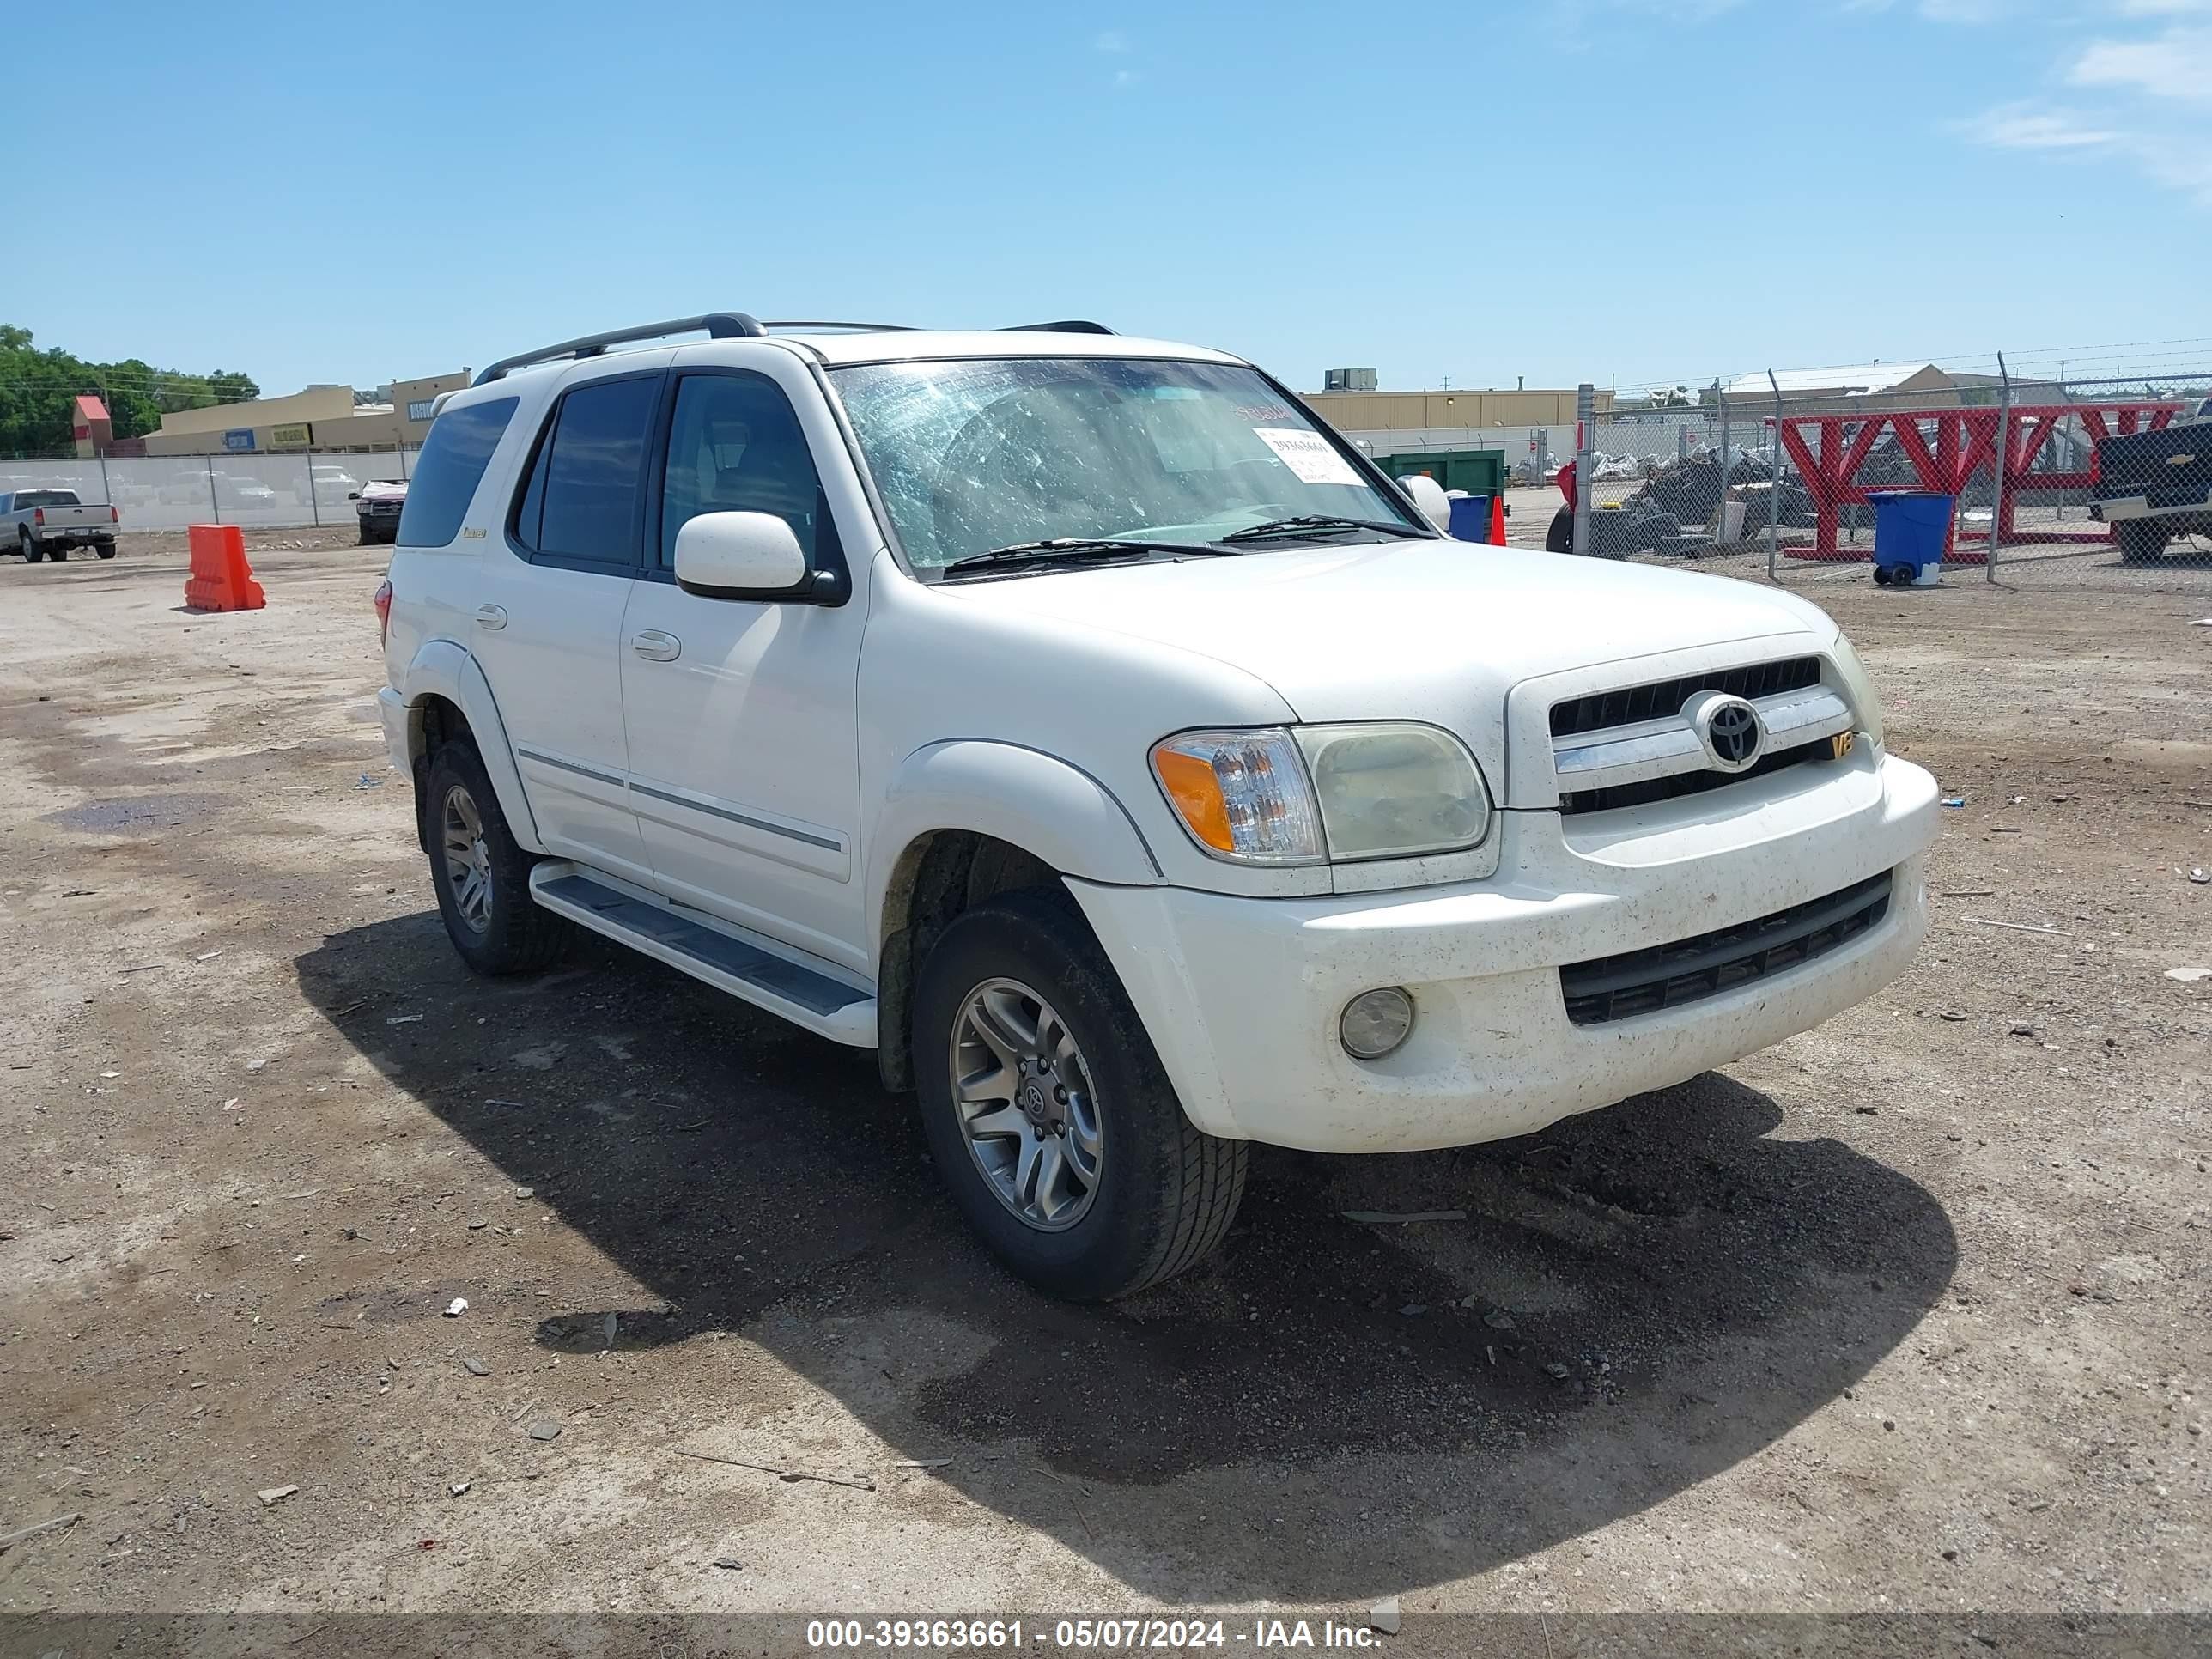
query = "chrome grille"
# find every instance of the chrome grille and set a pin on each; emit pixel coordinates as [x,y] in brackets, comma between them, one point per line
[1648,743]
[1601,710]
[1611,797]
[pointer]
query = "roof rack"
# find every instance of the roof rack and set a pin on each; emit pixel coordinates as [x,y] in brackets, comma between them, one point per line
[1069,327]
[717,325]
[824,322]
[730,325]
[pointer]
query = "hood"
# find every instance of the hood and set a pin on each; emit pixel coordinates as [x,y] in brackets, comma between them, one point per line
[381,491]
[1427,630]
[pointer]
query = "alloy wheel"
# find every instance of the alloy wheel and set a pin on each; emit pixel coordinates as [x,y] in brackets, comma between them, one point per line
[1027,1109]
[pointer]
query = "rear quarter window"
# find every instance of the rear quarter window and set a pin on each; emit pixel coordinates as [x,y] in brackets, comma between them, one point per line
[451,467]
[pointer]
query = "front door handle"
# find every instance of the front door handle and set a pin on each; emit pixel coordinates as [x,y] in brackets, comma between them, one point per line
[491,616]
[654,645]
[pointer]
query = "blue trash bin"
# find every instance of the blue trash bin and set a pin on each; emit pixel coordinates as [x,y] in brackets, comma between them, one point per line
[1911,528]
[1470,517]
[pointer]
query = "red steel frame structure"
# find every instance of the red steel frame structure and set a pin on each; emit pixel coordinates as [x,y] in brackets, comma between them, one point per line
[1965,439]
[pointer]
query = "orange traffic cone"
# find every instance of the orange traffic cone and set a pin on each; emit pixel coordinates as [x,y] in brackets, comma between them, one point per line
[221,579]
[1498,519]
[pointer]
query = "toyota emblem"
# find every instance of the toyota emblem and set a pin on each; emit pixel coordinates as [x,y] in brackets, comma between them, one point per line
[1730,730]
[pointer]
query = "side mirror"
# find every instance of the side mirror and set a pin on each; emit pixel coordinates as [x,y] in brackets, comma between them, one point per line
[1429,495]
[750,555]
[353,495]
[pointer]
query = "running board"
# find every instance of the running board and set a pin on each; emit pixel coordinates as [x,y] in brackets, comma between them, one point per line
[706,951]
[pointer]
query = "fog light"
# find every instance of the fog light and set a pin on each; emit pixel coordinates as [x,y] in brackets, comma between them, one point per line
[1375,1022]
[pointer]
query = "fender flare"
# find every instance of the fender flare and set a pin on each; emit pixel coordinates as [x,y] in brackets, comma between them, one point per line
[1033,800]
[444,669]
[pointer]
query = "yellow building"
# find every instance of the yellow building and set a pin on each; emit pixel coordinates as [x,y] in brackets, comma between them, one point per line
[323,417]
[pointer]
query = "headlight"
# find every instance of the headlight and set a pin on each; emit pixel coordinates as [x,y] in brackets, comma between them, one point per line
[1864,704]
[1394,791]
[1277,797]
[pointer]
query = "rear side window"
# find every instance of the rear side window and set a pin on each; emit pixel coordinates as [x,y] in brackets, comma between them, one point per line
[449,469]
[582,502]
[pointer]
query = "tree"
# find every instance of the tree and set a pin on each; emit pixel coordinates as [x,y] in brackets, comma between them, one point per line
[39,391]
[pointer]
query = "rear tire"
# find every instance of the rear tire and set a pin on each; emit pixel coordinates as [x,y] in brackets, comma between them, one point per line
[31,551]
[1159,1194]
[481,873]
[58,553]
[2141,540]
[103,550]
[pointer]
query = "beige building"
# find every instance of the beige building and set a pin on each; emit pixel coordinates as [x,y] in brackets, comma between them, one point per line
[323,417]
[1410,412]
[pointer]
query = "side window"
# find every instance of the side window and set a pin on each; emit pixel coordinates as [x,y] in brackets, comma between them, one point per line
[582,497]
[449,469]
[734,446]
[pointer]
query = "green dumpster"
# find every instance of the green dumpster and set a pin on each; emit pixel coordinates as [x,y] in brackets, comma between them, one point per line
[1478,471]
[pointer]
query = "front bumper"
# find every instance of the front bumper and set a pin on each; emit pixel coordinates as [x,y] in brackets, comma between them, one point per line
[1241,996]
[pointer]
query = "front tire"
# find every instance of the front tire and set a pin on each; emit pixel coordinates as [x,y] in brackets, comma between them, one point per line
[1048,1113]
[480,873]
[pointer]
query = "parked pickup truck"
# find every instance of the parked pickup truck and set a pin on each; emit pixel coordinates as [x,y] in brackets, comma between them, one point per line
[45,524]
[377,507]
[2153,486]
[1082,726]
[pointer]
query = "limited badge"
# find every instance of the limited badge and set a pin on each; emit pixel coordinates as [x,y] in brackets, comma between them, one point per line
[1840,745]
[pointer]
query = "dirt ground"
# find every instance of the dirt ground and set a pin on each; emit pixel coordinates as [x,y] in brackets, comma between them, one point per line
[1907,1314]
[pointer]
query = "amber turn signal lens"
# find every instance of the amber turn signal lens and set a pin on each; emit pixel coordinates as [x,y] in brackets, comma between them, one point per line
[1196,791]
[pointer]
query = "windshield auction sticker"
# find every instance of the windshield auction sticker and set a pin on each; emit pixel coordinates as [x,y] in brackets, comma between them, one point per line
[1308,455]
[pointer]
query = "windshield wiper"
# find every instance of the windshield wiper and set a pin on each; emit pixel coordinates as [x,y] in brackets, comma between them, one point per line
[1076,549]
[1312,524]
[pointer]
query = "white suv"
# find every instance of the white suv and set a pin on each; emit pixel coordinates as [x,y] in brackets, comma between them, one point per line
[1079,723]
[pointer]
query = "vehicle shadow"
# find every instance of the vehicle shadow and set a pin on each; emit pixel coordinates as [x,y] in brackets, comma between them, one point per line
[1635,1300]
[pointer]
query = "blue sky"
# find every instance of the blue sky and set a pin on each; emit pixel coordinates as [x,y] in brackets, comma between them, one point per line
[1627,191]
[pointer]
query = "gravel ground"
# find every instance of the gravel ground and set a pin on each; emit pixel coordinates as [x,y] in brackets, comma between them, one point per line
[1907,1314]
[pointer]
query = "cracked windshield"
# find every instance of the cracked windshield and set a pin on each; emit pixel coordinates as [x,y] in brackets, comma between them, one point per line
[971,457]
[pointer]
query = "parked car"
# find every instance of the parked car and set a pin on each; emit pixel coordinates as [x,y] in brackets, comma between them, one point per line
[1080,725]
[377,507]
[186,484]
[45,524]
[2153,486]
[241,493]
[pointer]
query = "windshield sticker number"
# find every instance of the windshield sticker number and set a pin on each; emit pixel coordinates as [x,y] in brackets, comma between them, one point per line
[1308,455]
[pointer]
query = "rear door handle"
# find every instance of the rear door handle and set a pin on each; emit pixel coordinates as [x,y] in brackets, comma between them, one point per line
[654,645]
[491,616]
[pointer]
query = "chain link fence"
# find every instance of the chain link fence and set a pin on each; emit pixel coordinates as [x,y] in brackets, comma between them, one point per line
[2043,480]
[1679,483]
[2108,484]
[168,492]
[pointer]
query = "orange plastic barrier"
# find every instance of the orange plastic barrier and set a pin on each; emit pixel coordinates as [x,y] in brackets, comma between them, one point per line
[1498,519]
[221,579]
